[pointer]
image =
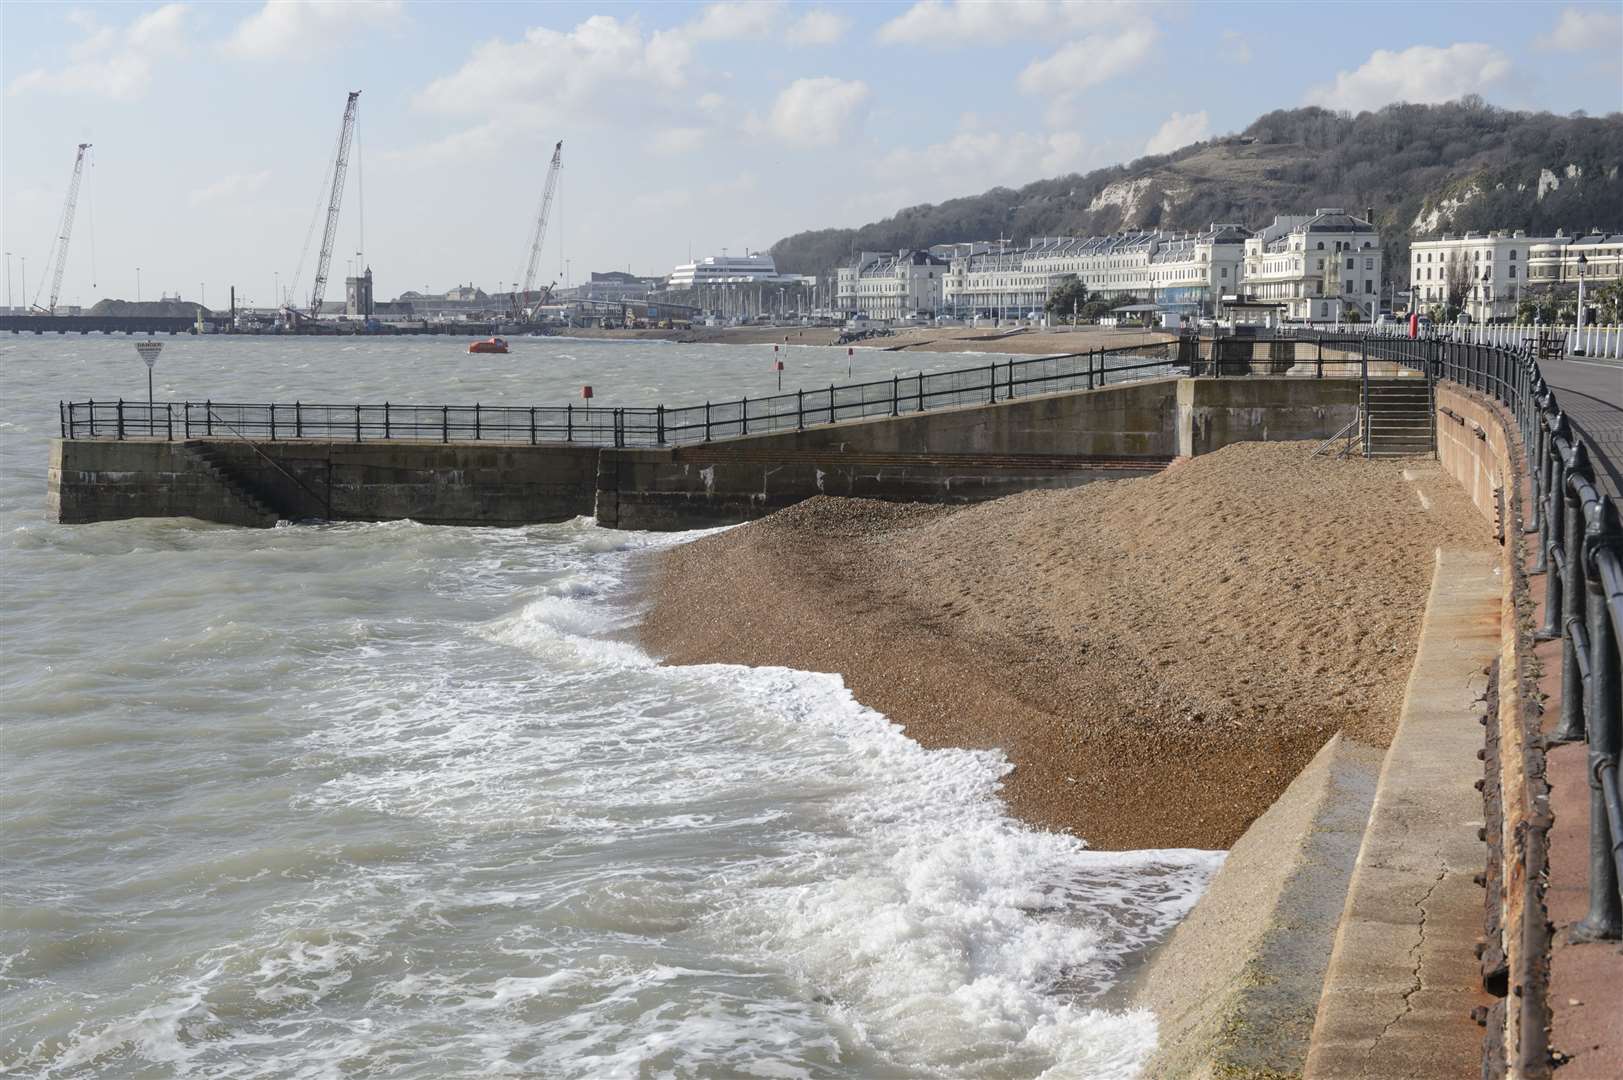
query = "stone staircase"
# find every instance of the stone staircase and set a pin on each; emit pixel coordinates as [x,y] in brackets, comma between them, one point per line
[1400,418]
[211,460]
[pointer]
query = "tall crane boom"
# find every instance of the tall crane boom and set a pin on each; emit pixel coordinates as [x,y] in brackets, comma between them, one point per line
[540,233]
[59,246]
[340,168]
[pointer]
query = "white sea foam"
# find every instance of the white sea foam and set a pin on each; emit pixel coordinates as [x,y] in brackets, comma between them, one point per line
[402,800]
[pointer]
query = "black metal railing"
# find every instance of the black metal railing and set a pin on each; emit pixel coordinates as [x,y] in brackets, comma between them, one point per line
[1580,555]
[621,427]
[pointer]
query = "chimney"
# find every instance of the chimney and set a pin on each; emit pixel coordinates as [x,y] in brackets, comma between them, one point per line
[1369,214]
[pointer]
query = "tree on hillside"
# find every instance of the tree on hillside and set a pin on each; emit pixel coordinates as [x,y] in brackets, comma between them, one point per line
[1068,296]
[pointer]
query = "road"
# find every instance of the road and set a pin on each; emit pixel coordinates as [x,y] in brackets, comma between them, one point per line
[1590,392]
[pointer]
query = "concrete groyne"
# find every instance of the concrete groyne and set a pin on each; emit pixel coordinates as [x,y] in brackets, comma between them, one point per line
[952,455]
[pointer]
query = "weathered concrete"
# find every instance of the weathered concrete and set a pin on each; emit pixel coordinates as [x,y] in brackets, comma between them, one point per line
[1235,988]
[1213,413]
[945,455]
[107,481]
[693,488]
[1403,977]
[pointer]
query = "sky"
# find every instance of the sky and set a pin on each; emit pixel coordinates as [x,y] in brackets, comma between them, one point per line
[688,129]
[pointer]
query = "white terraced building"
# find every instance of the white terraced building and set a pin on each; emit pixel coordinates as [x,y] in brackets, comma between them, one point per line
[1193,269]
[1555,261]
[1318,266]
[886,286]
[1494,266]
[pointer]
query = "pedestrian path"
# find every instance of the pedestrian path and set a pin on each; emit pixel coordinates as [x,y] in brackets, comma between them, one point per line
[1590,392]
[1403,974]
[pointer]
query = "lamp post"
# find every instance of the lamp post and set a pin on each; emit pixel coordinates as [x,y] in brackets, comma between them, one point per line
[137,284]
[1578,340]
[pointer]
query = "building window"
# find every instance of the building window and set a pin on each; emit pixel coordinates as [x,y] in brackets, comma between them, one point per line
[1369,264]
[1513,269]
[1512,253]
[1369,286]
[1350,263]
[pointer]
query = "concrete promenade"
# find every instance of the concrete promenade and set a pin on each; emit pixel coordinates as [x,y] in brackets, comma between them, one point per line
[1403,979]
[1590,392]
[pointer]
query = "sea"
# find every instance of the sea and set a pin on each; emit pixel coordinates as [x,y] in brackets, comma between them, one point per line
[396,800]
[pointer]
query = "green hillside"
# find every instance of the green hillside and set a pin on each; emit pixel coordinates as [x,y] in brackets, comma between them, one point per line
[1422,168]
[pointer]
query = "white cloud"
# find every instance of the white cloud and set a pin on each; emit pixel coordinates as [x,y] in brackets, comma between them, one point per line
[1236,49]
[1179,131]
[1579,29]
[284,27]
[972,161]
[976,22]
[735,20]
[232,185]
[1422,74]
[1088,61]
[819,26]
[112,62]
[677,140]
[550,71]
[817,112]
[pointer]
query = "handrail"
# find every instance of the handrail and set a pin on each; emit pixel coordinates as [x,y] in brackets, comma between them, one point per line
[658,425]
[325,501]
[1345,432]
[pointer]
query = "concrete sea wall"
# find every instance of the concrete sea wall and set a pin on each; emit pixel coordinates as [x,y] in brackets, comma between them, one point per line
[958,454]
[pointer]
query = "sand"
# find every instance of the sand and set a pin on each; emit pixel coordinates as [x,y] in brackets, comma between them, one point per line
[912,339]
[1158,657]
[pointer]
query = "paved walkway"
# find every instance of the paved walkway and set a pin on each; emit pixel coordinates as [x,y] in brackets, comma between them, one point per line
[1590,392]
[1403,977]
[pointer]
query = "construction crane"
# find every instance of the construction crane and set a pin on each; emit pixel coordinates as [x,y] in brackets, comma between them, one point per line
[59,246]
[340,168]
[540,233]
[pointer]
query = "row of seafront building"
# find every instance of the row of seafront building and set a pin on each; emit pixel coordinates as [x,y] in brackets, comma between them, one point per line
[1493,270]
[1319,266]
[1314,266]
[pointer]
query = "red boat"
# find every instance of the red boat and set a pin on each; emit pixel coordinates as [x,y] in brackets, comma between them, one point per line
[489,345]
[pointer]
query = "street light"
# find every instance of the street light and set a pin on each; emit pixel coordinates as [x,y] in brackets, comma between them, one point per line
[137,284]
[1578,342]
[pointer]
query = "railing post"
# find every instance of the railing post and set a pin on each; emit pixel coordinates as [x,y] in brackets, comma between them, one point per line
[895,394]
[619,428]
[744,417]
[532,424]
[1555,521]
[991,382]
[707,421]
[921,392]
[121,418]
[388,430]
[445,423]
[92,407]
[1574,641]
[62,417]
[1011,381]
[357,422]
[569,422]
[298,420]
[831,403]
[208,420]
[800,410]
[273,421]
[169,421]
[186,418]
[659,420]
[477,432]
[1605,708]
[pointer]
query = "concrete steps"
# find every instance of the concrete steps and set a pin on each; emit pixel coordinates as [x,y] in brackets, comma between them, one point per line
[1399,418]
[210,459]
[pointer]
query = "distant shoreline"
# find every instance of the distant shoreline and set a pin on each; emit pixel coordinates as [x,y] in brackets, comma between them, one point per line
[912,339]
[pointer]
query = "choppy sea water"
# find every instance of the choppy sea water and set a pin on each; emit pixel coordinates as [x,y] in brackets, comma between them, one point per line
[399,801]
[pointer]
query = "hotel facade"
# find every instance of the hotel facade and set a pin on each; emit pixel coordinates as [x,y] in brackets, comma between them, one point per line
[1318,266]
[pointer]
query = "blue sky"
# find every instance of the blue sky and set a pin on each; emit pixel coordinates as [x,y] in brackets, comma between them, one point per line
[686,126]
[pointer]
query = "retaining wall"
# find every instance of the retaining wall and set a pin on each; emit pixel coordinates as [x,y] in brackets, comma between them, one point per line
[947,455]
